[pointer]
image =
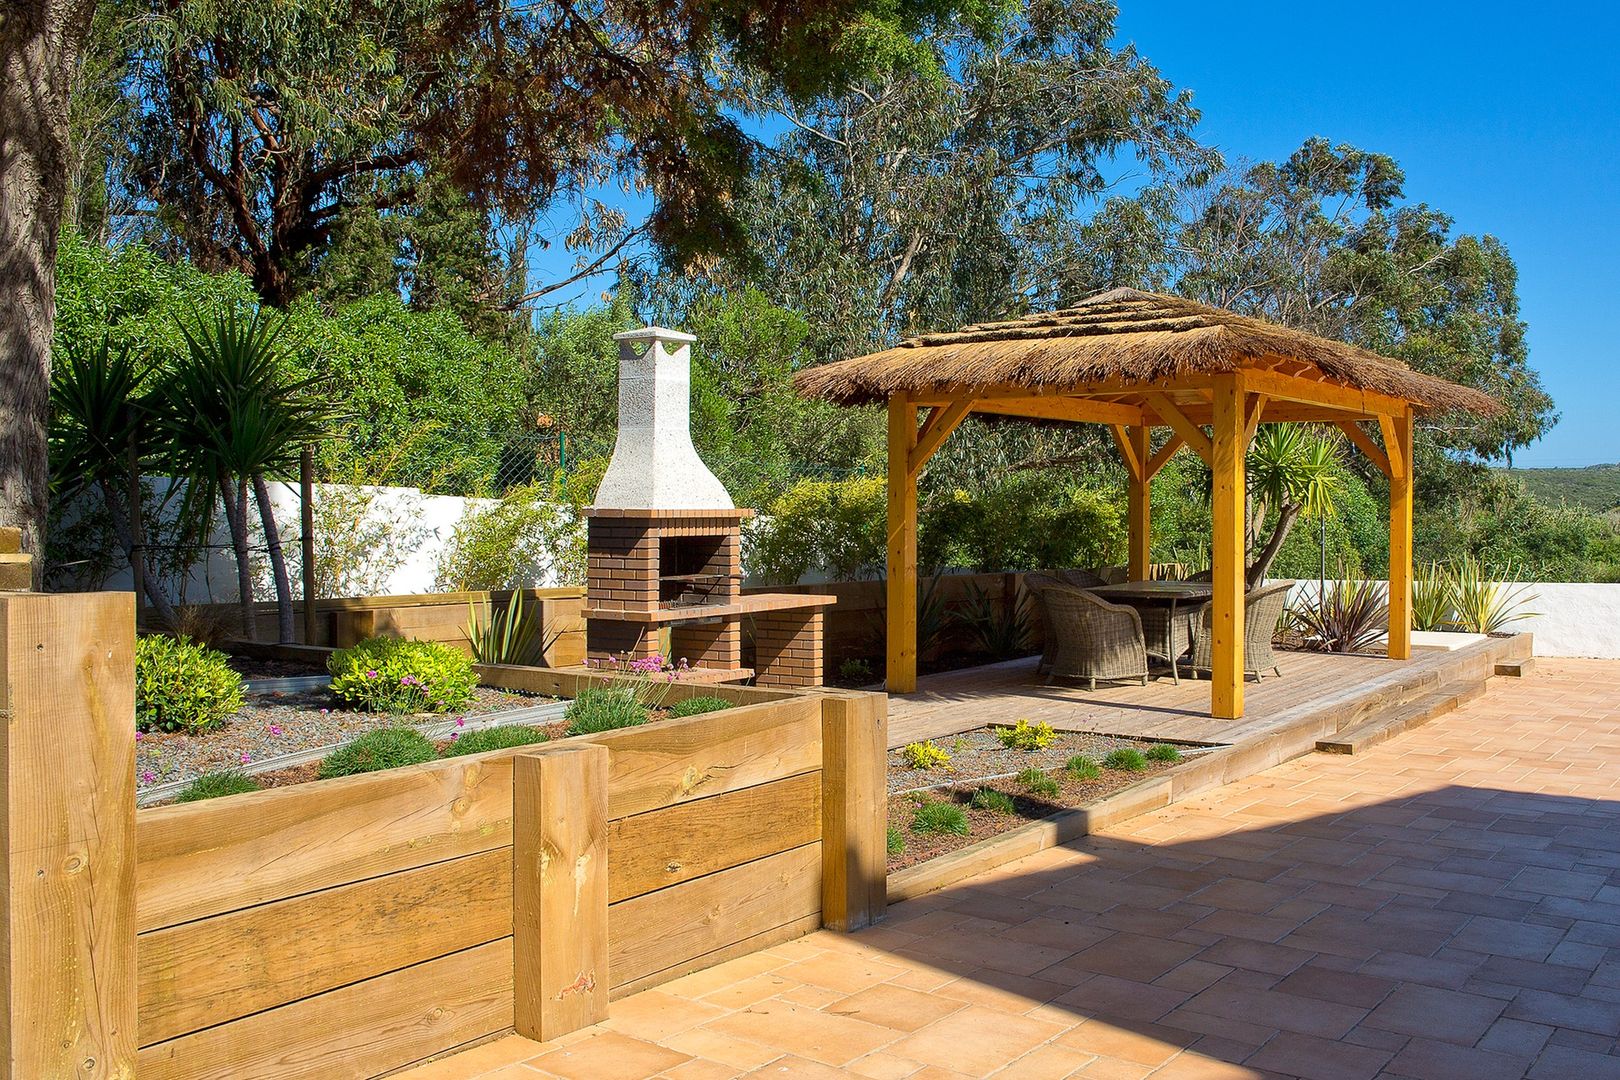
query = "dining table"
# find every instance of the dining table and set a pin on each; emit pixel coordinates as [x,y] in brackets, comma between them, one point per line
[1166,608]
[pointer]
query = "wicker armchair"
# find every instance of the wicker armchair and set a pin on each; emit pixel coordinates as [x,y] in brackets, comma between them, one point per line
[1204,576]
[1037,583]
[1262,611]
[1094,639]
[1078,579]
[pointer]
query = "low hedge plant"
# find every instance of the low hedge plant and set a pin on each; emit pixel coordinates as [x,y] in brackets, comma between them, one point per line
[394,675]
[181,685]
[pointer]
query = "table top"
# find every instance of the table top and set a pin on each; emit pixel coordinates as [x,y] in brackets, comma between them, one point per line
[1156,590]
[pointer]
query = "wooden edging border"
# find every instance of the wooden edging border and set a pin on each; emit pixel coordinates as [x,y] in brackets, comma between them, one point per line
[1205,773]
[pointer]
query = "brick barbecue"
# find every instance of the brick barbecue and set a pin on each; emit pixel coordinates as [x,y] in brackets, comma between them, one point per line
[664,543]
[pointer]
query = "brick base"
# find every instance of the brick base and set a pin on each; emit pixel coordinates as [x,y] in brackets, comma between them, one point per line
[787,648]
[710,645]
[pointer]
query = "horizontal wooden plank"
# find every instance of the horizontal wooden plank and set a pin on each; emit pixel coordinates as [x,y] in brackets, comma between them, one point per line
[677,761]
[359,1031]
[213,970]
[558,683]
[205,858]
[666,928]
[764,940]
[666,847]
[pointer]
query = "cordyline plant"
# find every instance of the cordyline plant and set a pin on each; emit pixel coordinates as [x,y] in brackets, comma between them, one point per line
[1349,616]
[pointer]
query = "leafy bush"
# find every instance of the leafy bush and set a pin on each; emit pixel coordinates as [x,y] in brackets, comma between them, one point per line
[996,801]
[1350,617]
[697,706]
[856,671]
[518,542]
[934,816]
[374,751]
[896,841]
[1162,752]
[1038,783]
[1025,520]
[388,674]
[1082,768]
[502,737]
[925,755]
[182,686]
[1126,759]
[836,526]
[600,708]
[213,785]
[1026,736]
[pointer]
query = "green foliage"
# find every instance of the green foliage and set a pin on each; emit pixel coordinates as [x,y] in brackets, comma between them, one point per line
[925,755]
[896,842]
[182,686]
[1026,736]
[1126,759]
[216,784]
[697,706]
[388,674]
[996,801]
[514,544]
[1162,752]
[1037,782]
[504,637]
[935,816]
[605,709]
[993,630]
[387,748]
[1027,520]
[1484,606]
[836,526]
[1349,617]
[502,737]
[1490,516]
[1432,597]
[1082,768]
[856,670]
[1595,487]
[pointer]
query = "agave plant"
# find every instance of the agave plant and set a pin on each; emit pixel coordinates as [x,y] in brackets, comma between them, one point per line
[1485,606]
[1348,617]
[498,637]
[1433,598]
[995,630]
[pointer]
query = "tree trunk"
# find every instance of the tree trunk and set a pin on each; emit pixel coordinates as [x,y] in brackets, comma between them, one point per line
[278,560]
[40,42]
[140,562]
[234,496]
[1268,554]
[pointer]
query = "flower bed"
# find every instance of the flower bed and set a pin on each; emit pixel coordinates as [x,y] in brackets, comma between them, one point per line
[986,787]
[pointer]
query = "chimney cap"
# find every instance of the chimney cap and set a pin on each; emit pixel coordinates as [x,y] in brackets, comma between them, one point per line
[654,333]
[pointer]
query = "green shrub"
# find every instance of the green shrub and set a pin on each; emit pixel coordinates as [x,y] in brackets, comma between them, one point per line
[991,799]
[855,670]
[697,706]
[1027,736]
[925,755]
[182,686]
[1126,760]
[213,785]
[515,543]
[388,674]
[1038,783]
[503,737]
[377,750]
[939,817]
[1082,768]
[897,841]
[600,708]
[1162,752]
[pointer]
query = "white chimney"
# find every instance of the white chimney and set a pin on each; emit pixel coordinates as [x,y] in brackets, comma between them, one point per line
[655,466]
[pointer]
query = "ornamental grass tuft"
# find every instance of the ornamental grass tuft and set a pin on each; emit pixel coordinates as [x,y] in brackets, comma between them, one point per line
[1162,752]
[697,706]
[374,751]
[995,801]
[1126,759]
[215,784]
[1037,782]
[503,737]
[605,708]
[1082,768]
[896,841]
[934,816]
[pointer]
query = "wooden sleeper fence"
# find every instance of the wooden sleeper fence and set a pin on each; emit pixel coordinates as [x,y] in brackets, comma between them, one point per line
[353,926]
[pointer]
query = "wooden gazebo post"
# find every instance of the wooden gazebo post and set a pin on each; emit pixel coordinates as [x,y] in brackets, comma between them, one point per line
[1229,557]
[1398,449]
[901,671]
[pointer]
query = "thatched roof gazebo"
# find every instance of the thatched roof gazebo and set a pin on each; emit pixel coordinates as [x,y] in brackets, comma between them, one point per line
[1135,361]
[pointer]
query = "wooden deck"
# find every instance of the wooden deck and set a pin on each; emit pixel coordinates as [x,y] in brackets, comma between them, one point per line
[956,701]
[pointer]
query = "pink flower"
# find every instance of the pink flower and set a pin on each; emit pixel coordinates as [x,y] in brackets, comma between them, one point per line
[325,711]
[275,729]
[461,721]
[148,776]
[246,758]
[454,735]
[138,736]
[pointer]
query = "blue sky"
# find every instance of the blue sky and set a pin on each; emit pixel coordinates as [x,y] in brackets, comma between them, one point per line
[1505,120]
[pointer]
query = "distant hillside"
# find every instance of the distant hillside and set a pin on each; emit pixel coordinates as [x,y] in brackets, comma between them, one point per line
[1596,486]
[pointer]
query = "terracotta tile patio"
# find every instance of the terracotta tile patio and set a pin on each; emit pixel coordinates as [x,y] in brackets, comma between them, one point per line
[1445,906]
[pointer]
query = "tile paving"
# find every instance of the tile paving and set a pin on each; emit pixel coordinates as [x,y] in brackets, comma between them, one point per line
[1444,907]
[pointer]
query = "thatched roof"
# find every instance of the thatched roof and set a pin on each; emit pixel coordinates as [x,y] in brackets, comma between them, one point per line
[1123,334]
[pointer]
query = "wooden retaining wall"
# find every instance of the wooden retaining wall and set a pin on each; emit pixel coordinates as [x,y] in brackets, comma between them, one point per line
[349,927]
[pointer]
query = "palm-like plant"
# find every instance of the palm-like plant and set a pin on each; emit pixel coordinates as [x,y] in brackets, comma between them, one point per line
[1484,605]
[235,416]
[1295,472]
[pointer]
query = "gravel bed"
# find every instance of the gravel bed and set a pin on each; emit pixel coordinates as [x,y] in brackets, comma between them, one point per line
[978,754]
[274,724]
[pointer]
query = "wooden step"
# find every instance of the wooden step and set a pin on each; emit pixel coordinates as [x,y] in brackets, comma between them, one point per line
[1516,669]
[1397,721]
[10,539]
[16,572]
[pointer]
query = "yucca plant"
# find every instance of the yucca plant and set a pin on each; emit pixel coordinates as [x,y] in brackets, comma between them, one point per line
[995,630]
[1433,597]
[1350,616]
[1483,605]
[500,637]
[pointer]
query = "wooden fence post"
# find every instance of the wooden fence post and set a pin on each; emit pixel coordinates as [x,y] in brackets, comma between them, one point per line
[67,810]
[559,890]
[854,810]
